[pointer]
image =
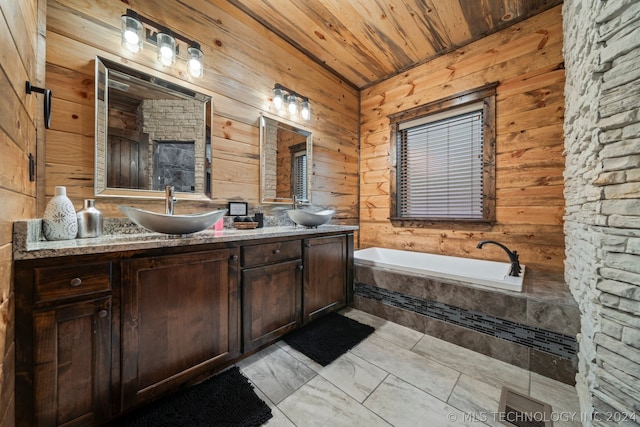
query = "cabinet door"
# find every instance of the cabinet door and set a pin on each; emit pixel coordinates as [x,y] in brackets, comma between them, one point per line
[72,354]
[271,302]
[325,275]
[180,319]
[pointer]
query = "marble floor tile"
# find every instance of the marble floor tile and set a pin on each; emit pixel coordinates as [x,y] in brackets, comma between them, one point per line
[401,404]
[354,375]
[300,356]
[480,366]
[275,372]
[477,399]
[396,377]
[392,332]
[562,398]
[424,373]
[320,403]
[278,419]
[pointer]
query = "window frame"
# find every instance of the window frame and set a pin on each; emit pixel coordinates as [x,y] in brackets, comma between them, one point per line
[487,95]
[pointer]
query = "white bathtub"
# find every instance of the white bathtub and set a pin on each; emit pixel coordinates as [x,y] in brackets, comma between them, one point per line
[472,271]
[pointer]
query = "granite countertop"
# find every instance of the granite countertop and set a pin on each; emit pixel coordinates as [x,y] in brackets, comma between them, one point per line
[122,235]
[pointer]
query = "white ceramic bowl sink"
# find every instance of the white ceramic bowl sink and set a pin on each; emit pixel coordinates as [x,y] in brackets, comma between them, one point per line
[310,219]
[172,224]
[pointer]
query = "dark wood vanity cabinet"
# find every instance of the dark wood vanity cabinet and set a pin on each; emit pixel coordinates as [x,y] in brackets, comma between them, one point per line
[180,319]
[63,344]
[271,291]
[326,274]
[97,335]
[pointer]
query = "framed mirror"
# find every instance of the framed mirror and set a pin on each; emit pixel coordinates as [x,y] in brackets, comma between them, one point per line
[150,133]
[285,161]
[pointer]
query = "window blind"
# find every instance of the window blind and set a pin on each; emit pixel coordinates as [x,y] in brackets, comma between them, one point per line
[441,165]
[300,175]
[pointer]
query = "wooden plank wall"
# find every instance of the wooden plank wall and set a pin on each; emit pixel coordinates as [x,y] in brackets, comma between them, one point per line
[20,116]
[527,61]
[243,61]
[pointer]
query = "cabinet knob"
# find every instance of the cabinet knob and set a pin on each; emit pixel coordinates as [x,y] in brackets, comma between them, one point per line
[76,281]
[276,251]
[102,313]
[301,267]
[234,257]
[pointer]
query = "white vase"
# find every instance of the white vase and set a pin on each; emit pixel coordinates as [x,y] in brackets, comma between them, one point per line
[59,221]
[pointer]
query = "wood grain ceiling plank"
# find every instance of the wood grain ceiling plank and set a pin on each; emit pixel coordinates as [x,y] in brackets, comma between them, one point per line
[453,20]
[347,23]
[380,25]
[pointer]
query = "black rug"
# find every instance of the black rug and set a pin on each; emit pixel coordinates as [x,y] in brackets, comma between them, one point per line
[227,399]
[325,339]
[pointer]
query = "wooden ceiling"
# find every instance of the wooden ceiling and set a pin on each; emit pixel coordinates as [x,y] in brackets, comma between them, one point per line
[367,41]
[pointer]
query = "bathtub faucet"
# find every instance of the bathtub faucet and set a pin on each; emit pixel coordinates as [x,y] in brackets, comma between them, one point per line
[513,257]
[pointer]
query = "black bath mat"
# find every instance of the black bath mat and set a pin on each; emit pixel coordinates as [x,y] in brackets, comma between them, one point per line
[325,339]
[226,400]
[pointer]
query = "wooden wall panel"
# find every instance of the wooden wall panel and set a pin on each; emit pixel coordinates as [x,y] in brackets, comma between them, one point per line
[20,116]
[526,60]
[242,63]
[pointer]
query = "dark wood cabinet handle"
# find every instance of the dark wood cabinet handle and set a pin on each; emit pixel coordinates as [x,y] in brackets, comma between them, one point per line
[234,258]
[103,313]
[276,251]
[301,267]
[76,281]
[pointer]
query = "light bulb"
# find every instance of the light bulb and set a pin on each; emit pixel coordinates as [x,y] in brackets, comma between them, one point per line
[166,49]
[195,62]
[305,109]
[293,104]
[277,98]
[131,38]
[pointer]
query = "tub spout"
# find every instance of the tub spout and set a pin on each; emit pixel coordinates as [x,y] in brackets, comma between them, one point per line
[513,257]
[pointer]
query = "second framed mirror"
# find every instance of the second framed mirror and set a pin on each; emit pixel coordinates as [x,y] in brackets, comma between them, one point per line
[285,161]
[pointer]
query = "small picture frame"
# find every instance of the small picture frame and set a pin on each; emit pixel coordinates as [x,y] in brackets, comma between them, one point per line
[238,209]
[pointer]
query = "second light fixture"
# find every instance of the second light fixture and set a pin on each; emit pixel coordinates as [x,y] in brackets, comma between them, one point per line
[293,101]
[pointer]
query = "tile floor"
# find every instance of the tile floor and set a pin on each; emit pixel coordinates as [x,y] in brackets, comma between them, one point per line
[396,377]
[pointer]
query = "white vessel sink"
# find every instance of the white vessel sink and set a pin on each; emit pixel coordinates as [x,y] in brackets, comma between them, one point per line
[172,224]
[310,219]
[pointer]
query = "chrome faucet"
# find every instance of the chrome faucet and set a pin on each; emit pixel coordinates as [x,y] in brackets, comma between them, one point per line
[169,199]
[296,202]
[513,257]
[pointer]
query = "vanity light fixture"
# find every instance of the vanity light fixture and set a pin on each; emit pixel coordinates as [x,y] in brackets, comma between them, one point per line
[295,103]
[137,28]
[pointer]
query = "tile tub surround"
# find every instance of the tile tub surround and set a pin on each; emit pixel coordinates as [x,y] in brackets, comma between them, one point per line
[396,377]
[120,234]
[534,329]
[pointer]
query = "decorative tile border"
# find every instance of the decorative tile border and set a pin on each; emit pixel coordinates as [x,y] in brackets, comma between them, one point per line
[559,345]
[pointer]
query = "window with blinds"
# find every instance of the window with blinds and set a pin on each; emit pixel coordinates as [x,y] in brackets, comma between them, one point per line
[440,159]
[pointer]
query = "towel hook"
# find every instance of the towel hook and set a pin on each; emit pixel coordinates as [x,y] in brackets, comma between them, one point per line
[47,102]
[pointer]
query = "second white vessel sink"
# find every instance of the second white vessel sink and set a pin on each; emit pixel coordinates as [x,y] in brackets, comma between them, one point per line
[309,218]
[172,224]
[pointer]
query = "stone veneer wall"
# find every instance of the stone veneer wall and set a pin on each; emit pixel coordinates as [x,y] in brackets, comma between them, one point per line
[271,158]
[176,120]
[602,191]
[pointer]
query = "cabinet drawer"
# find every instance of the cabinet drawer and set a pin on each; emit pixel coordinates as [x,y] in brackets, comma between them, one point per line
[55,283]
[271,252]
